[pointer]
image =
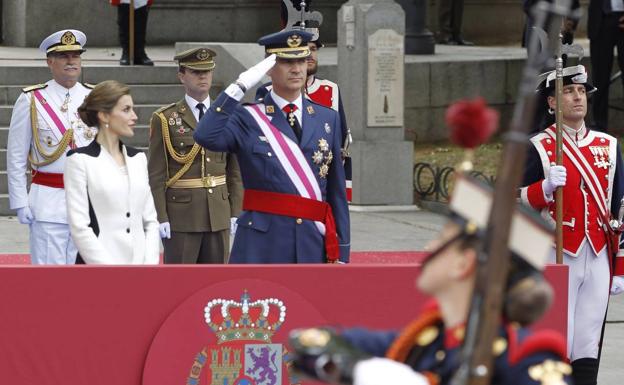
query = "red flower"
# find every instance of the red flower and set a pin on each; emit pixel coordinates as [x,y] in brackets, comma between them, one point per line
[472,122]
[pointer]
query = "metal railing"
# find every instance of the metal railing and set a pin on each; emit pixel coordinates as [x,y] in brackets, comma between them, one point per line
[435,183]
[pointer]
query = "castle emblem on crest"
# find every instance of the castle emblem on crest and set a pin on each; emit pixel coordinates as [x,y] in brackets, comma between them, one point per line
[244,353]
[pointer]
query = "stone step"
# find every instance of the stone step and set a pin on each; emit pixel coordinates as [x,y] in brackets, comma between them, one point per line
[143,111]
[140,139]
[17,74]
[141,93]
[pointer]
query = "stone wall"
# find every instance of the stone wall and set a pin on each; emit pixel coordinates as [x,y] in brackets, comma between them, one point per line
[26,22]
[169,20]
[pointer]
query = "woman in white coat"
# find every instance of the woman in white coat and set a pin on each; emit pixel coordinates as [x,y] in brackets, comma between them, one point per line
[109,204]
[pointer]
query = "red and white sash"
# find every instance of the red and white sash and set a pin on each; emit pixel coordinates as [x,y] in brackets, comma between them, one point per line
[290,157]
[47,111]
[586,171]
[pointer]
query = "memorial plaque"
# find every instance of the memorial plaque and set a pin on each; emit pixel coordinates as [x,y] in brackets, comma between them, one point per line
[385,78]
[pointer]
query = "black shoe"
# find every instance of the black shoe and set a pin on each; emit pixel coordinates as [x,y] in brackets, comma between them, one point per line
[143,60]
[124,61]
[460,41]
[447,41]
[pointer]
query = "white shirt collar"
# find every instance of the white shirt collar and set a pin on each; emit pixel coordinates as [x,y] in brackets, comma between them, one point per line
[576,135]
[281,103]
[62,91]
[192,103]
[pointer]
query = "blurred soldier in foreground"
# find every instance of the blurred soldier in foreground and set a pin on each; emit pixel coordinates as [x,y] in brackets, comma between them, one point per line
[196,191]
[431,344]
[592,178]
[45,125]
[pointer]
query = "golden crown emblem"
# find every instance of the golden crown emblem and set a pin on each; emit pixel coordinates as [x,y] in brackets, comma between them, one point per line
[68,38]
[203,55]
[294,41]
[245,320]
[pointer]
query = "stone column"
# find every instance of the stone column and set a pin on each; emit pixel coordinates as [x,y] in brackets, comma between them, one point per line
[371,41]
[418,39]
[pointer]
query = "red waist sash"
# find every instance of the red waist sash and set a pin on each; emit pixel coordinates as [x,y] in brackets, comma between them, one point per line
[47,179]
[296,206]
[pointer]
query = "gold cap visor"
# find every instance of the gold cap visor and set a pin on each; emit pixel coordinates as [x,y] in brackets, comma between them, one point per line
[199,66]
[290,53]
[66,48]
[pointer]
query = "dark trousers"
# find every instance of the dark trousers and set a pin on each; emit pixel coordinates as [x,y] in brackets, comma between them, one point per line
[450,13]
[140,29]
[601,48]
[200,248]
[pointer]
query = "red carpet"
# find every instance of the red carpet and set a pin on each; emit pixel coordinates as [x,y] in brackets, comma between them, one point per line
[358,257]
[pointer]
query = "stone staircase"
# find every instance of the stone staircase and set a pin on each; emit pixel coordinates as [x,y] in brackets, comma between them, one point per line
[151,88]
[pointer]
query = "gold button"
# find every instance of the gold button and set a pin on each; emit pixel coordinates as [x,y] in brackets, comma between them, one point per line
[209,191]
[218,109]
[207,159]
[299,221]
[181,143]
[173,198]
[269,154]
[440,355]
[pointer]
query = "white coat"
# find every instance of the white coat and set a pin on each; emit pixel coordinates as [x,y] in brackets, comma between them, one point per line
[111,215]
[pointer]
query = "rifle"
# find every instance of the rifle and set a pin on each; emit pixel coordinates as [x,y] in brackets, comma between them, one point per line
[485,309]
[559,152]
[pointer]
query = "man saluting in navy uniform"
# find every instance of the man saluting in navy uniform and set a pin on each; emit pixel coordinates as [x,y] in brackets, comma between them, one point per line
[288,148]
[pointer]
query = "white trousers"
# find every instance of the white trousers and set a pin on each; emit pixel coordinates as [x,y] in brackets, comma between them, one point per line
[51,244]
[588,296]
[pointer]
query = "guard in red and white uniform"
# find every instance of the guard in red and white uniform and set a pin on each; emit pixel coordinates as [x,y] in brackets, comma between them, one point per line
[44,126]
[592,178]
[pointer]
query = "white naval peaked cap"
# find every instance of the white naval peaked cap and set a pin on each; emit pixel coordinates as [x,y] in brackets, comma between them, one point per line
[65,40]
[531,238]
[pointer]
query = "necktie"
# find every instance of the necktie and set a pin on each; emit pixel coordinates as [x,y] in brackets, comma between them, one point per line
[290,109]
[200,107]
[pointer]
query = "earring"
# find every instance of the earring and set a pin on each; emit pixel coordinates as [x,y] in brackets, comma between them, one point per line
[106,125]
[550,111]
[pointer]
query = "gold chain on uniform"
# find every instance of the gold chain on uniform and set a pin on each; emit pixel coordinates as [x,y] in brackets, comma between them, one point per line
[186,160]
[68,136]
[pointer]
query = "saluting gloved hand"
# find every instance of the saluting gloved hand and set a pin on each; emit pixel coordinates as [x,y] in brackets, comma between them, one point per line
[556,178]
[165,230]
[617,286]
[319,353]
[25,216]
[252,76]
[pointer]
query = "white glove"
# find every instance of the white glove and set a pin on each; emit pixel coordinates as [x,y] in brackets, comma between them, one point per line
[25,216]
[165,230]
[617,286]
[382,371]
[233,226]
[252,76]
[556,178]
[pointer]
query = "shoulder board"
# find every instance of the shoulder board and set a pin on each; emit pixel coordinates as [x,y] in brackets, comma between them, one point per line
[35,87]
[537,342]
[258,101]
[163,108]
[89,85]
[600,134]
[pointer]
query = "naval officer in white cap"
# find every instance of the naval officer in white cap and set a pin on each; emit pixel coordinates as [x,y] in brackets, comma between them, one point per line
[44,126]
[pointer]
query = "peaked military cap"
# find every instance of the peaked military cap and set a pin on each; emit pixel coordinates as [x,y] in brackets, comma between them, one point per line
[201,59]
[530,239]
[66,40]
[571,75]
[288,44]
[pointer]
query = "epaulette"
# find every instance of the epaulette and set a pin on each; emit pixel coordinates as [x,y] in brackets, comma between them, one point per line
[539,341]
[163,108]
[35,87]
[420,332]
[257,101]
[89,85]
